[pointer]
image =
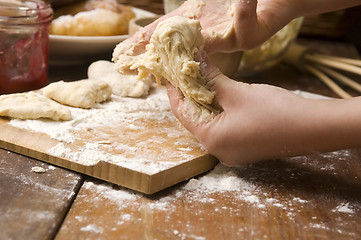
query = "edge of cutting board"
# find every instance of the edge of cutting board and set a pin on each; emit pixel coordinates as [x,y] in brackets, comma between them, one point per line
[36,144]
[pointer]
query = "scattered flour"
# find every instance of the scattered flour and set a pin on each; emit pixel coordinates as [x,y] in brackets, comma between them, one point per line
[220,179]
[222,190]
[38,169]
[344,208]
[91,155]
[122,111]
[92,228]
[117,109]
[51,167]
[116,195]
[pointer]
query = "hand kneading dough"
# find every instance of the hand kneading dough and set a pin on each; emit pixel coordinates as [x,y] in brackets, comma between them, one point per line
[122,85]
[32,106]
[170,55]
[82,94]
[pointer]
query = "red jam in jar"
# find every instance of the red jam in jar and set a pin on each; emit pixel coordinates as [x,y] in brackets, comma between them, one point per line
[24,41]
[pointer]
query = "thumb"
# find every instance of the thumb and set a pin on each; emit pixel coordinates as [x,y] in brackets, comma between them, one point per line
[190,115]
[183,109]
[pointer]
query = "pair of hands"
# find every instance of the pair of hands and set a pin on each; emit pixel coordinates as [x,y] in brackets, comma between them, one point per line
[258,121]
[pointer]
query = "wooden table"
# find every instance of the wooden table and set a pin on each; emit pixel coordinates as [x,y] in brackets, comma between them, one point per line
[305,197]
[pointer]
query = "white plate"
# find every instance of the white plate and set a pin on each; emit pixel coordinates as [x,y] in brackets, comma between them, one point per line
[69,50]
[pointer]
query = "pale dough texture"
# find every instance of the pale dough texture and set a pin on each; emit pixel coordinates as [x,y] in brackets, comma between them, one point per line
[170,55]
[123,85]
[92,18]
[81,94]
[32,106]
[97,22]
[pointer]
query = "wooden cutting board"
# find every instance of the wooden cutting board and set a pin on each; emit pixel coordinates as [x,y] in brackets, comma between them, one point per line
[142,152]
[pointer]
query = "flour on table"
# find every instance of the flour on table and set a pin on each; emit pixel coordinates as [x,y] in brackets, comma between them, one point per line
[92,228]
[122,111]
[101,115]
[38,169]
[344,208]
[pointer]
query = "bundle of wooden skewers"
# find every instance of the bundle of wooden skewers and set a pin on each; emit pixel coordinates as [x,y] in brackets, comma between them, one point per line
[328,69]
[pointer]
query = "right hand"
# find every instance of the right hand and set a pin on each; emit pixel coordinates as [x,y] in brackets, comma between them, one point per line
[253,21]
[248,28]
[261,122]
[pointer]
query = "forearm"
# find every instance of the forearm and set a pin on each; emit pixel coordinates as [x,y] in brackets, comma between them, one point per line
[326,126]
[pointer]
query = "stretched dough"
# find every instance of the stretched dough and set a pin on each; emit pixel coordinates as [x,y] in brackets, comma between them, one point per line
[81,94]
[122,84]
[170,54]
[32,106]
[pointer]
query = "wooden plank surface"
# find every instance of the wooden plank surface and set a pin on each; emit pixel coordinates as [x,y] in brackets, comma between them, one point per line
[33,205]
[136,150]
[308,197]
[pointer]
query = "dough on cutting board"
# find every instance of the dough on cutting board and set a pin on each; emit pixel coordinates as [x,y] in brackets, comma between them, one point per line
[170,54]
[81,94]
[123,85]
[32,106]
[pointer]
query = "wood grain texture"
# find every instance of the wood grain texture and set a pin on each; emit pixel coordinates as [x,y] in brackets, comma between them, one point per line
[165,153]
[33,205]
[307,197]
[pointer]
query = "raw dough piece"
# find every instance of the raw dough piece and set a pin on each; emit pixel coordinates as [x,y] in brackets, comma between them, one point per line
[92,18]
[32,106]
[123,85]
[82,94]
[98,22]
[170,55]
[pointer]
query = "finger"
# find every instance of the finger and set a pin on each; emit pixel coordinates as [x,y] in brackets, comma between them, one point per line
[188,114]
[247,29]
[216,80]
[256,22]
[135,44]
[207,69]
[175,96]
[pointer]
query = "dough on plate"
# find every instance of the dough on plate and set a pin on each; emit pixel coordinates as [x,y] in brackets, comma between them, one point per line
[32,106]
[92,18]
[123,85]
[81,94]
[170,54]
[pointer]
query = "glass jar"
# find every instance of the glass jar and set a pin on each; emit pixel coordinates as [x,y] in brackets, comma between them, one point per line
[24,34]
